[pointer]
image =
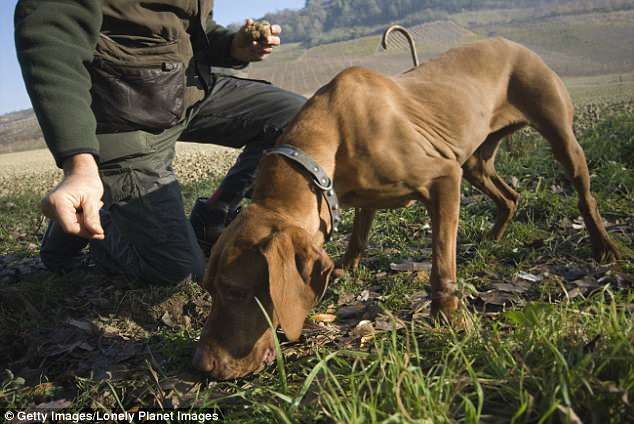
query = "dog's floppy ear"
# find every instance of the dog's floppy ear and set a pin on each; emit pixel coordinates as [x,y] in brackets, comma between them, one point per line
[210,270]
[298,276]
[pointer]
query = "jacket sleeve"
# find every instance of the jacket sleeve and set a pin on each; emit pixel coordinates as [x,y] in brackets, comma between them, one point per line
[220,39]
[54,41]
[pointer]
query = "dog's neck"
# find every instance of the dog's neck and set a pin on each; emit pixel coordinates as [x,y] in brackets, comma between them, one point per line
[286,189]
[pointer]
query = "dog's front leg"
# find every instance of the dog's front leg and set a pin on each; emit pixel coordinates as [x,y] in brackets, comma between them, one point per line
[443,204]
[358,239]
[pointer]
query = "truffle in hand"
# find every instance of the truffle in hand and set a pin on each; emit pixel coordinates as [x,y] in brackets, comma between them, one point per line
[257,31]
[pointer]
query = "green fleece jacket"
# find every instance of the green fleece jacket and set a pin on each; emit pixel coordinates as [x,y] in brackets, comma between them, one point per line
[56,41]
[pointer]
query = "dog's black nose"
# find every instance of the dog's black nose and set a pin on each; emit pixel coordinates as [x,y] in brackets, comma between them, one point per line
[203,361]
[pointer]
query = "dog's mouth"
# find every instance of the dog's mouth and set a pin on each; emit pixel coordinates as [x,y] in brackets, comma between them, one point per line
[223,367]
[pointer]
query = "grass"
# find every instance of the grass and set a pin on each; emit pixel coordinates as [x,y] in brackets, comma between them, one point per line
[549,354]
[601,89]
[525,366]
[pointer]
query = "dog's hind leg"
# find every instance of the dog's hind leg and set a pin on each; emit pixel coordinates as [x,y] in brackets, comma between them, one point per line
[568,152]
[550,111]
[359,238]
[479,170]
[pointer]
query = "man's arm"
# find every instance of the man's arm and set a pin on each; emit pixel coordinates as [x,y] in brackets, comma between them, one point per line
[221,40]
[54,40]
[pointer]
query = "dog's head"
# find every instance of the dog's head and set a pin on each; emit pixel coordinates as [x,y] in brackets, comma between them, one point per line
[258,257]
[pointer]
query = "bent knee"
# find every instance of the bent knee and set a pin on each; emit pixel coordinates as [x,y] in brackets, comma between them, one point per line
[174,269]
[287,108]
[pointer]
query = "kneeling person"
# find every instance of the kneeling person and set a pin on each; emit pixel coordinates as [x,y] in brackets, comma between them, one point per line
[114,85]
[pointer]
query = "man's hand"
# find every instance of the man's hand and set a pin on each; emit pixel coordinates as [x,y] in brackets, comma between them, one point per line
[76,201]
[246,50]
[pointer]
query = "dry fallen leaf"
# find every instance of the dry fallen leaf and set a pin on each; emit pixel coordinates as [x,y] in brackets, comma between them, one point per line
[363,328]
[385,323]
[167,320]
[354,313]
[327,318]
[571,274]
[574,293]
[586,283]
[510,288]
[409,266]
[364,296]
[497,298]
[345,299]
[82,325]
[530,277]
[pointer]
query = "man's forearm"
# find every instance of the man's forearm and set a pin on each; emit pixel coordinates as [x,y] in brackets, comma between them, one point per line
[221,40]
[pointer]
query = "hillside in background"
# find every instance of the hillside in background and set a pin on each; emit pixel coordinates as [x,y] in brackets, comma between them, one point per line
[19,131]
[323,21]
[589,50]
[587,42]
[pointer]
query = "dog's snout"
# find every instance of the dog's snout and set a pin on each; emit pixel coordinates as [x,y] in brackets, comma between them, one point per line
[203,361]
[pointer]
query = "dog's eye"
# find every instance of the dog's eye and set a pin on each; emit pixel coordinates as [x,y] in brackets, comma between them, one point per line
[236,294]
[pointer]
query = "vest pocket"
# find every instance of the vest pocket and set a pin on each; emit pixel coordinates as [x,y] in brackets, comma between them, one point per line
[137,97]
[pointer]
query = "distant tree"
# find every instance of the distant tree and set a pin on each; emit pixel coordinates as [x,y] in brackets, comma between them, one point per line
[348,17]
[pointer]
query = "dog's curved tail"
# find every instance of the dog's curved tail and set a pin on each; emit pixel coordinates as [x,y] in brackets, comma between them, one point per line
[407,34]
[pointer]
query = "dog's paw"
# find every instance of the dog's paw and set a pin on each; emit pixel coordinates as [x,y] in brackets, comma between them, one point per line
[607,254]
[346,267]
[445,308]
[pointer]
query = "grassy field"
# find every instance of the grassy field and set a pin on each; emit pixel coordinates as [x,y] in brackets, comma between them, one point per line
[551,336]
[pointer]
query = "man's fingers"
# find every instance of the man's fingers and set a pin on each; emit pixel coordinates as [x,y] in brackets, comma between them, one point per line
[47,209]
[260,53]
[276,29]
[64,215]
[68,219]
[273,41]
[81,219]
[91,220]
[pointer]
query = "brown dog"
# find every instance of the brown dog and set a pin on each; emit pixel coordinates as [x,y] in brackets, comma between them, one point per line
[386,142]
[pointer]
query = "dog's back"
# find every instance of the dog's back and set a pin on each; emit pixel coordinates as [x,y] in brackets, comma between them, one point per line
[447,105]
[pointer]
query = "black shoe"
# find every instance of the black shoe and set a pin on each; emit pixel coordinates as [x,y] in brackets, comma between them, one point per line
[208,222]
[61,252]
